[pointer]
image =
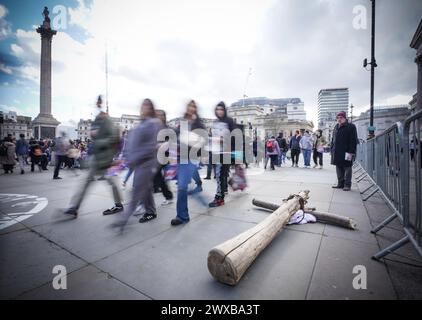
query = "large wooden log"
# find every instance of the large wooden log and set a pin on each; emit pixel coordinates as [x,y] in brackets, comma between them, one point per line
[228,261]
[324,217]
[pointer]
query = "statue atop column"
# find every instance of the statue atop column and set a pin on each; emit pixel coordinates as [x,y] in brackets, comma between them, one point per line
[45,29]
[45,13]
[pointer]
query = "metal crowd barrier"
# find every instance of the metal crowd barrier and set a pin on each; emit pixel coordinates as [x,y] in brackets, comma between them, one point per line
[392,164]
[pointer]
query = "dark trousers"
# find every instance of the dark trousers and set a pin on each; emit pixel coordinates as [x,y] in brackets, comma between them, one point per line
[210,168]
[160,183]
[317,156]
[59,161]
[35,160]
[222,174]
[295,156]
[142,191]
[344,176]
[273,159]
[8,167]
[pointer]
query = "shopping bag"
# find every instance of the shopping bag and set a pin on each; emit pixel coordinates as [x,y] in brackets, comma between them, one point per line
[170,172]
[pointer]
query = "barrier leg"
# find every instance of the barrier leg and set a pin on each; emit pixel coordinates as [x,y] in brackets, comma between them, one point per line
[384,223]
[363,178]
[396,245]
[362,192]
[358,170]
[371,194]
[363,174]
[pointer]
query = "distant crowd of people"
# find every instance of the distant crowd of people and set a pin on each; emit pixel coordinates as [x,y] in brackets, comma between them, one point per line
[277,149]
[59,152]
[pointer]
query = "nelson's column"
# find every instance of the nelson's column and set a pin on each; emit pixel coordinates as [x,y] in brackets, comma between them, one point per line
[45,124]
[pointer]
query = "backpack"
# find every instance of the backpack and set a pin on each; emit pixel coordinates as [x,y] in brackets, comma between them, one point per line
[3,150]
[270,146]
[37,152]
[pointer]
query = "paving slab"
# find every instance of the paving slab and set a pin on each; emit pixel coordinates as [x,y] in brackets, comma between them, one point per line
[90,236]
[54,211]
[87,283]
[27,261]
[333,275]
[362,233]
[161,266]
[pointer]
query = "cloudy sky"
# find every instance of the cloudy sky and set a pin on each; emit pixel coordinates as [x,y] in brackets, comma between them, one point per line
[172,51]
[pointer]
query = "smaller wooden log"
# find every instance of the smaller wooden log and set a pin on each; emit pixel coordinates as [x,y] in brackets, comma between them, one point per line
[323,217]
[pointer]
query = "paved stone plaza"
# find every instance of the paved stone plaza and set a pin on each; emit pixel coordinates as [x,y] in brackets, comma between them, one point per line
[158,261]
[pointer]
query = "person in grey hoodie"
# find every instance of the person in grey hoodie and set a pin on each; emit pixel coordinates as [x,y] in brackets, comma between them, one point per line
[142,156]
[306,144]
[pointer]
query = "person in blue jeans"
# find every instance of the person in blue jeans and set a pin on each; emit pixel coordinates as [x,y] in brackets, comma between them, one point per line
[306,144]
[184,177]
[187,168]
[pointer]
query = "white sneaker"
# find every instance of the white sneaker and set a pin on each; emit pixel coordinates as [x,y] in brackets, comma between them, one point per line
[315,166]
[166,202]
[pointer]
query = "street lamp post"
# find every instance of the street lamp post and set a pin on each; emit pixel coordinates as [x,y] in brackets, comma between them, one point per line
[373,63]
[351,113]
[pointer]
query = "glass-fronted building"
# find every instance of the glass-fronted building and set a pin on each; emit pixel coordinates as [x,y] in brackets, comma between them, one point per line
[331,102]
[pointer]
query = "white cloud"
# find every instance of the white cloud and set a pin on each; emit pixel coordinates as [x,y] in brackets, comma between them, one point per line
[17,50]
[398,99]
[5,69]
[5,29]
[3,11]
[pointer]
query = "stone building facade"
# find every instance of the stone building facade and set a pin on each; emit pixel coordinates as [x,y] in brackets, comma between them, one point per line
[384,118]
[14,124]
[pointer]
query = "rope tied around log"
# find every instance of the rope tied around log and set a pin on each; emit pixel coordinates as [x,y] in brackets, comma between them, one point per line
[302,201]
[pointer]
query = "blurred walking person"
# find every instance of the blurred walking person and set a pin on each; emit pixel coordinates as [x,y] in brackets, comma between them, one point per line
[210,165]
[22,149]
[159,181]
[105,143]
[343,151]
[187,166]
[142,157]
[222,126]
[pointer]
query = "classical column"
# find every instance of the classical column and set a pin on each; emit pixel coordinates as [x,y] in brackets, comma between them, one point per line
[45,121]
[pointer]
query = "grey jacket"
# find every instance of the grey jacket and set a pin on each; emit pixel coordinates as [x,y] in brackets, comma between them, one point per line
[306,142]
[11,155]
[142,144]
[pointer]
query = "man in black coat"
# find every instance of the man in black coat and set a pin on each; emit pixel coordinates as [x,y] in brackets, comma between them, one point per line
[343,151]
